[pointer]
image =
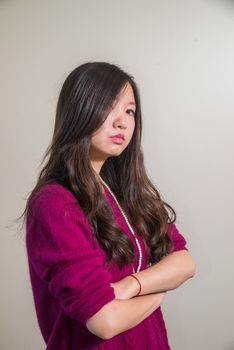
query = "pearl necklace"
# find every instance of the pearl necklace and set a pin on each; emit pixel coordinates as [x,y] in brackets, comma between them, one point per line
[130,228]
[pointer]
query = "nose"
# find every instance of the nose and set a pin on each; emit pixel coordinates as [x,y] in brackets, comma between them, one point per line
[121,124]
[120,121]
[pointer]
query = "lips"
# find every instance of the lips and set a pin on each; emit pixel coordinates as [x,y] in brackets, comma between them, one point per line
[118,136]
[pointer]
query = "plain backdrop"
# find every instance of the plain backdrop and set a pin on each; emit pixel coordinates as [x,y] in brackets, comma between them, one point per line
[181,53]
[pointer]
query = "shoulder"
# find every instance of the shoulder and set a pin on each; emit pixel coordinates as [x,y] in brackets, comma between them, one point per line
[55,210]
[53,198]
[54,189]
[53,192]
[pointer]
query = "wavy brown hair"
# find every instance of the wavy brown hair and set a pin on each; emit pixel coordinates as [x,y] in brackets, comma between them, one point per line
[84,102]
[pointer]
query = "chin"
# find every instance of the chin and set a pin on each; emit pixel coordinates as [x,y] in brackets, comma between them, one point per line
[114,152]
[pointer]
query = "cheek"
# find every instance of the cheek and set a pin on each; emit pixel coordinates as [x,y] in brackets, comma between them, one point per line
[97,132]
[98,138]
[98,135]
[132,127]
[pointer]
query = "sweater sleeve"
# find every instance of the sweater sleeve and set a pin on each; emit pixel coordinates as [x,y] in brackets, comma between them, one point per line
[179,241]
[60,250]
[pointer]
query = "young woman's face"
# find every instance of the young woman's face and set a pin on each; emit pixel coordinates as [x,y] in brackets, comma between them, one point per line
[120,121]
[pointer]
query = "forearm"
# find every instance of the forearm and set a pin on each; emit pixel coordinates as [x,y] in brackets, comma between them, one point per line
[168,274]
[129,313]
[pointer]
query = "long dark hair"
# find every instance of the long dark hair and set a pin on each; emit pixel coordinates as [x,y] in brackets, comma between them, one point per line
[85,100]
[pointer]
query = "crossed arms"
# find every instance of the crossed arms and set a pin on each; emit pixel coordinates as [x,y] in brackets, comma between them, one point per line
[127,310]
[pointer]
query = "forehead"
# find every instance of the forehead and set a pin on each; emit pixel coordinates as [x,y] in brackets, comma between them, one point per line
[126,94]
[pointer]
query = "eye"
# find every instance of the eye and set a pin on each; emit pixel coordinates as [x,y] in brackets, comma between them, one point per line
[131,111]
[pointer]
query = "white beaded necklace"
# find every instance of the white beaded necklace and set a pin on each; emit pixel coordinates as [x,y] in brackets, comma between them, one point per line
[130,228]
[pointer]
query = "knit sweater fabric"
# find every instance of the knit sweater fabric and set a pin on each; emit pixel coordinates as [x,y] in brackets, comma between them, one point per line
[70,282]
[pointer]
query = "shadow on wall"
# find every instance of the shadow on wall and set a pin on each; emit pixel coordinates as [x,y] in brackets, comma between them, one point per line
[6,2]
[231,347]
[230,3]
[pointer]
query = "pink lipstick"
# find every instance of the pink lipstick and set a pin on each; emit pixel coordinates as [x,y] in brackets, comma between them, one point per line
[119,139]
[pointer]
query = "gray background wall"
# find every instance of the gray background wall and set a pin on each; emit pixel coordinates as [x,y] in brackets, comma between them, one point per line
[181,53]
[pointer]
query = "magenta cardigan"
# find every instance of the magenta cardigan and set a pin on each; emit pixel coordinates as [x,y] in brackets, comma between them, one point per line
[69,281]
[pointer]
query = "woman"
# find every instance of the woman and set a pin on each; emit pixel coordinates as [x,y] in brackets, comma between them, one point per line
[102,245]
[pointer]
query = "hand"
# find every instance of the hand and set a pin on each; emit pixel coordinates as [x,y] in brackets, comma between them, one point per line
[126,288]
